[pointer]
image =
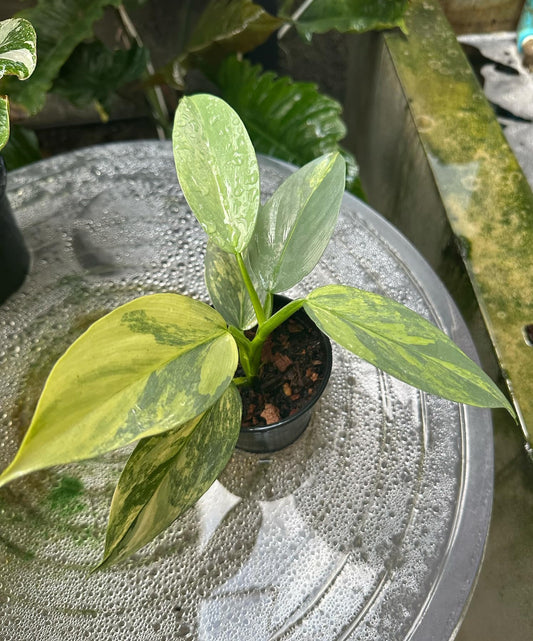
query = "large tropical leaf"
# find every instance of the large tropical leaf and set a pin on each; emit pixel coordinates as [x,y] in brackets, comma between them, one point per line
[350,15]
[402,343]
[295,225]
[217,169]
[168,473]
[17,58]
[60,25]
[104,72]
[230,26]
[286,119]
[227,288]
[145,368]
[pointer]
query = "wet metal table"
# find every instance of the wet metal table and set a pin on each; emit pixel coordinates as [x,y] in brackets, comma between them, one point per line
[371,526]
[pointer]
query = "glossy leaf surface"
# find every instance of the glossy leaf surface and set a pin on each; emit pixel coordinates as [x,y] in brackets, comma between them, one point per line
[147,367]
[230,26]
[217,169]
[295,225]
[402,343]
[60,25]
[227,289]
[285,119]
[350,15]
[168,473]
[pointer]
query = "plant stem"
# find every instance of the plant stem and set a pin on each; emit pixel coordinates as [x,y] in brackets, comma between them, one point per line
[154,95]
[258,308]
[294,17]
[264,331]
[244,346]
[276,320]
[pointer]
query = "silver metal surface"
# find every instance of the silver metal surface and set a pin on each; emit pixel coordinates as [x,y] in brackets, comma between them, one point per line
[371,526]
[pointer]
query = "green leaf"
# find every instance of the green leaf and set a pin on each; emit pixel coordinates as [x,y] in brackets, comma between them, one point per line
[17,48]
[217,169]
[402,343]
[93,73]
[21,149]
[147,367]
[4,121]
[60,25]
[227,288]
[168,473]
[286,119]
[295,225]
[228,26]
[350,15]
[17,58]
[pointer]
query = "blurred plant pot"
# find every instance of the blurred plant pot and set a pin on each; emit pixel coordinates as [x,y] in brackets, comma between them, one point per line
[281,433]
[14,256]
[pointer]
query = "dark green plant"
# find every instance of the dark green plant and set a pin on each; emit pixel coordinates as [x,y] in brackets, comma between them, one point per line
[161,369]
[88,73]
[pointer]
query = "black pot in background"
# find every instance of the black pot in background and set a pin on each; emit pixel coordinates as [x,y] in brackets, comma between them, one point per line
[274,437]
[14,256]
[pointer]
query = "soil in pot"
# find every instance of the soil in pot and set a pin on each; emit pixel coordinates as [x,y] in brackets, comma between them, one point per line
[296,363]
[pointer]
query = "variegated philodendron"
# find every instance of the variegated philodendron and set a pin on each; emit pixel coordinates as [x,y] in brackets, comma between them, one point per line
[160,370]
[17,57]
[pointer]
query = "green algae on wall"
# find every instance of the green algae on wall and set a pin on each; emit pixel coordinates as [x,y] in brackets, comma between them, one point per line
[486,196]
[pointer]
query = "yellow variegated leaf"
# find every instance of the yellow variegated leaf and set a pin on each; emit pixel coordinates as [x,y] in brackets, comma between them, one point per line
[402,343]
[145,368]
[227,289]
[295,225]
[168,473]
[217,169]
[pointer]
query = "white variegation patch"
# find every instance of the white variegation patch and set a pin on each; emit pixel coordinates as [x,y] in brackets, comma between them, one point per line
[17,48]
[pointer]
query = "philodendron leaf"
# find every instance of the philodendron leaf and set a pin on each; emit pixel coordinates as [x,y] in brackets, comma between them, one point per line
[17,48]
[17,58]
[147,367]
[168,473]
[402,343]
[350,15]
[60,25]
[4,121]
[290,120]
[295,225]
[227,289]
[227,26]
[217,169]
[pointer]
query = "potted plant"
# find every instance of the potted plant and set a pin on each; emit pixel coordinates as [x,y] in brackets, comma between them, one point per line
[18,58]
[163,369]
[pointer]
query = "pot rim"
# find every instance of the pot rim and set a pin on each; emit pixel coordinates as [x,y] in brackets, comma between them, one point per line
[319,390]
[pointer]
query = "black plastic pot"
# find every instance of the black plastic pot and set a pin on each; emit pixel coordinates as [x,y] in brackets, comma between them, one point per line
[14,256]
[274,437]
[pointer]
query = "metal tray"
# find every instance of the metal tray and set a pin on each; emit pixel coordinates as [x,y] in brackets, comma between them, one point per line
[371,526]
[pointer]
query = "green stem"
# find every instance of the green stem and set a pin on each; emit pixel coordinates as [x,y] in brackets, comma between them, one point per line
[258,308]
[244,346]
[276,320]
[264,331]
